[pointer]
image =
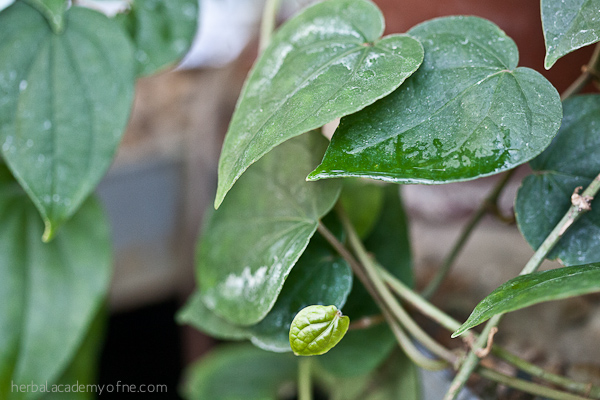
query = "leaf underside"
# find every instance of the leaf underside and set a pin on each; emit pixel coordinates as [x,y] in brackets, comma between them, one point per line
[319,277]
[251,243]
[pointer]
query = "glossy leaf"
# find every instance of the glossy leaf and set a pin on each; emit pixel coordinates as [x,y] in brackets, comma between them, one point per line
[396,378]
[327,62]
[572,160]
[389,242]
[569,25]
[250,244]
[64,103]
[161,30]
[362,200]
[317,329]
[467,112]
[49,293]
[527,290]
[53,11]
[319,277]
[240,372]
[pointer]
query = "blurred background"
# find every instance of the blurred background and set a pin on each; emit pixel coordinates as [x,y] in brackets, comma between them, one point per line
[164,177]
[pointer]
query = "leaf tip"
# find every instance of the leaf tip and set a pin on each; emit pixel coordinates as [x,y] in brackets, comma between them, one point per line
[49,231]
[549,61]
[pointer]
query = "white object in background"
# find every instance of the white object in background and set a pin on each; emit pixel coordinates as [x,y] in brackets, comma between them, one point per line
[225,28]
[5,3]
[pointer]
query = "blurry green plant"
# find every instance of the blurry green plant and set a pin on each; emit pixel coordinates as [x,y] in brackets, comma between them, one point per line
[67,77]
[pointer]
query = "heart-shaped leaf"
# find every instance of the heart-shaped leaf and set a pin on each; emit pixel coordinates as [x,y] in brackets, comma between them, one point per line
[239,372]
[250,244]
[466,113]
[569,25]
[317,329]
[572,160]
[64,103]
[327,62]
[319,277]
[527,290]
[162,31]
[49,293]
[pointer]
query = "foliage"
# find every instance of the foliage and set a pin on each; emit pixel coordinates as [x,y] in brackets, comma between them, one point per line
[67,77]
[283,256]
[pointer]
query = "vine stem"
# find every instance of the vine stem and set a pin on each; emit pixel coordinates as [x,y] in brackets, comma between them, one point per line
[588,73]
[525,386]
[484,207]
[403,340]
[572,215]
[428,309]
[267,25]
[304,379]
[451,324]
[388,298]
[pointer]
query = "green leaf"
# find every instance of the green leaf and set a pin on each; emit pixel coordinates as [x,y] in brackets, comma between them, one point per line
[389,242]
[83,367]
[527,290]
[326,62]
[362,200]
[467,112]
[572,160]
[162,31]
[53,11]
[49,292]
[569,25]
[250,244]
[397,378]
[239,372]
[319,277]
[64,103]
[317,329]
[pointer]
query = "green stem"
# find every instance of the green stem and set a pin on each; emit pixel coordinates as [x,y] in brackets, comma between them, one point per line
[386,295]
[577,387]
[267,25]
[411,350]
[484,207]
[304,379]
[572,215]
[403,340]
[428,309]
[588,73]
[529,387]
[417,301]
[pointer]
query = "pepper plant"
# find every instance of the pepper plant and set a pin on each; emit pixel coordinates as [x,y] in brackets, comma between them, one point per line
[307,251]
[67,76]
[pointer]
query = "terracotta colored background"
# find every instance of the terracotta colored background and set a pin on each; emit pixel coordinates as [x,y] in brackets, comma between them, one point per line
[520,19]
